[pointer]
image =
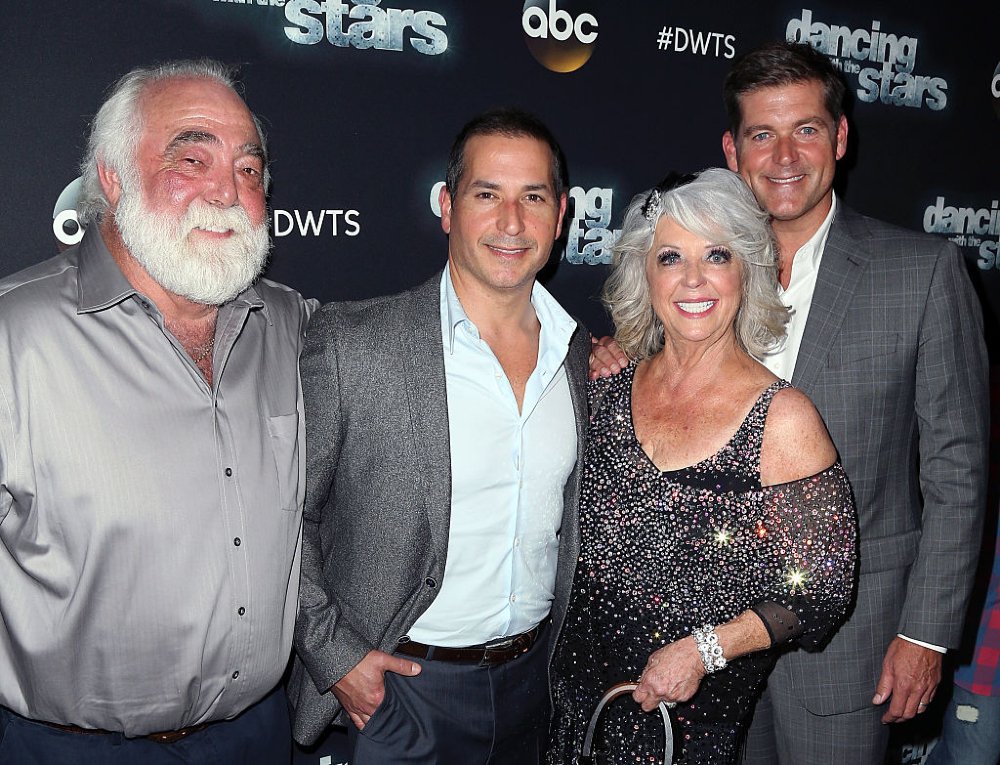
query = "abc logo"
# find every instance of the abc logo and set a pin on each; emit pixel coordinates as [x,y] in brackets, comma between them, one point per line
[560,33]
[995,90]
[65,226]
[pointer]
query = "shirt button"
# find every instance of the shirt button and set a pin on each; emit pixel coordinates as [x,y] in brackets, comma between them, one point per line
[236,674]
[229,471]
[517,541]
[513,598]
[241,610]
[430,582]
[237,541]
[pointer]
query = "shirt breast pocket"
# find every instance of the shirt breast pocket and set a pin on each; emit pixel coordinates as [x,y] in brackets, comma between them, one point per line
[283,430]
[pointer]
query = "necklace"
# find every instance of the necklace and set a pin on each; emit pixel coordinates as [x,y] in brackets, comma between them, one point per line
[203,353]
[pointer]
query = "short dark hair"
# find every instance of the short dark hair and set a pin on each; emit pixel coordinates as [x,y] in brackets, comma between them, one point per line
[782,63]
[511,123]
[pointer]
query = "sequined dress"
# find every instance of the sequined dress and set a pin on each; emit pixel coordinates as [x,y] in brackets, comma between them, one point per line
[664,552]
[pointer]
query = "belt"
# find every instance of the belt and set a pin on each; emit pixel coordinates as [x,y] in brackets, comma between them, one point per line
[485,655]
[167,737]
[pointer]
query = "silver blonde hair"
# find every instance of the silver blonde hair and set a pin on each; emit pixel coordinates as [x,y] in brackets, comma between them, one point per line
[117,127]
[719,206]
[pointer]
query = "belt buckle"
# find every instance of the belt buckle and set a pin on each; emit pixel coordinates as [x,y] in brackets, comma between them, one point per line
[491,648]
[516,644]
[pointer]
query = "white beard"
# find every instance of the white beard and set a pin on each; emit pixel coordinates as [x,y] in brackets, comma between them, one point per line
[206,271]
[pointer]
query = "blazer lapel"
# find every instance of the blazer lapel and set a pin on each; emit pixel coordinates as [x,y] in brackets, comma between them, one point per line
[577,371]
[844,259]
[422,352]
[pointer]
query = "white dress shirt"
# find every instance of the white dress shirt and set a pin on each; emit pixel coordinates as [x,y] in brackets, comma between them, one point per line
[798,297]
[509,469]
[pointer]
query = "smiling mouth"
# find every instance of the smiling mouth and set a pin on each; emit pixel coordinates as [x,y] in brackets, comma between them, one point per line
[781,181]
[699,307]
[508,251]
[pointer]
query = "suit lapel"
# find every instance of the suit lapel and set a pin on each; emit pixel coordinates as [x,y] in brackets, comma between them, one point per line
[577,370]
[422,352]
[844,259]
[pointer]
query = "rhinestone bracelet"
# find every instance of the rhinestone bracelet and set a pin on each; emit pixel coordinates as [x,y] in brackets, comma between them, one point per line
[708,646]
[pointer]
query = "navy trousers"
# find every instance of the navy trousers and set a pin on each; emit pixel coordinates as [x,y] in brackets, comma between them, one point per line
[259,736]
[460,714]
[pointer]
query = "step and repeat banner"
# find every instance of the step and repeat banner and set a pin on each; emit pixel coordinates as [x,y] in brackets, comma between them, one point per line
[361,99]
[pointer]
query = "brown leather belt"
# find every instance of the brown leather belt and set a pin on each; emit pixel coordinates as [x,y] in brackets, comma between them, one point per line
[486,655]
[167,737]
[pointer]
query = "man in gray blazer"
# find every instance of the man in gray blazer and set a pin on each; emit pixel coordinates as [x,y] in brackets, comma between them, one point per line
[445,427]
[886,339]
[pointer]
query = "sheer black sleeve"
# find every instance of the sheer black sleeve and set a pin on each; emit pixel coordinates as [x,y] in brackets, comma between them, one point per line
[811,525]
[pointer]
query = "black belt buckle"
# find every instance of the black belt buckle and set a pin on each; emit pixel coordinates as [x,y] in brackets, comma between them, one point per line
[489,658]
[508,647]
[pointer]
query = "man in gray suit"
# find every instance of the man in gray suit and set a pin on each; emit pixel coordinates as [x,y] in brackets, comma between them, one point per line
[445,426]
[886,339]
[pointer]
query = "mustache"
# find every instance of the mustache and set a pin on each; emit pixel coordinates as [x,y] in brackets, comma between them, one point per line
[200,214]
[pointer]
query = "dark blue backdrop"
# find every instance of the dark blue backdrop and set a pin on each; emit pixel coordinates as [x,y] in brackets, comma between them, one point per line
[361,101]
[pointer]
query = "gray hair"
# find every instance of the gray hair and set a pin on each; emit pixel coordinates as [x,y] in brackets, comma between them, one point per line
[719,206]
[117,127]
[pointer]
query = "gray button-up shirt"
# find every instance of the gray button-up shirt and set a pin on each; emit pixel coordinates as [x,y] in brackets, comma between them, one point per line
[149,522]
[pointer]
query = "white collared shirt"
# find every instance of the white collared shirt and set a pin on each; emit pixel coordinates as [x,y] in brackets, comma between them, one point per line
[509,469]
[798,297]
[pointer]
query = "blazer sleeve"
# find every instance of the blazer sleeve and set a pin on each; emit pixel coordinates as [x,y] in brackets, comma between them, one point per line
[325,639]
[952,411]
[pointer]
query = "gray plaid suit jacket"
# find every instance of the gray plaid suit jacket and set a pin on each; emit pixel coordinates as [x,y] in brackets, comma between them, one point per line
[378,487]
[893,357]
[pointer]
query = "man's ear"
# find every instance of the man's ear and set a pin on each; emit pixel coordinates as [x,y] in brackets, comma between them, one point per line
[110,183]
[562,213]
[729,149]
[444,202]
[841,145]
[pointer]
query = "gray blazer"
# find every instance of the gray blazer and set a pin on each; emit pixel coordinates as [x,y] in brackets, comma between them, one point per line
[378,487]
[893,357]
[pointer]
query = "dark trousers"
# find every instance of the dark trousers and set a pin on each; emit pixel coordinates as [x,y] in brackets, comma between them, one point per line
[259,736]
[460,714]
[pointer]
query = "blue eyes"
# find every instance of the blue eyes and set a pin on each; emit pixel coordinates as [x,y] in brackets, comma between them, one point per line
[668,258]
[717,255]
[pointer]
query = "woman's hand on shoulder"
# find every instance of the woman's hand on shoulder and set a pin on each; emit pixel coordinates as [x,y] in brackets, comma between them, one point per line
[796,442]
[606,358]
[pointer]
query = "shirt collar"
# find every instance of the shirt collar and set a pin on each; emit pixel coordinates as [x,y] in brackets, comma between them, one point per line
[101,283]
[808,256]
[552,316]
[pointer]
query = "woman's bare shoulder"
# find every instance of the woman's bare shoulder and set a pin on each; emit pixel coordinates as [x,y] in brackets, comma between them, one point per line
[796,442]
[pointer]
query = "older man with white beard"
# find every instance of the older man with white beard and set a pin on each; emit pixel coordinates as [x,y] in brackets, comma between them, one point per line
[150,435]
